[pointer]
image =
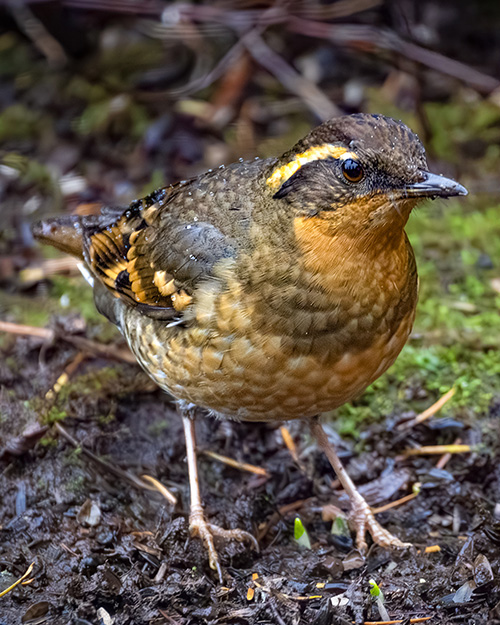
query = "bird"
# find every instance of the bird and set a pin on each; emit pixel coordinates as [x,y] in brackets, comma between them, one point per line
[269,289]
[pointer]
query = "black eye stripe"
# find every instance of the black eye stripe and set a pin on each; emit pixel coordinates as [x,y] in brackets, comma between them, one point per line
[352,170]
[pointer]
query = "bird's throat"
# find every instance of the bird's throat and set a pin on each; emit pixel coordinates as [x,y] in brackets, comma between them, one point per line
[341,259]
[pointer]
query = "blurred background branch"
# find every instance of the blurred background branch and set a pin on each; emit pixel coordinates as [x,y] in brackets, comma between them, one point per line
[105,100]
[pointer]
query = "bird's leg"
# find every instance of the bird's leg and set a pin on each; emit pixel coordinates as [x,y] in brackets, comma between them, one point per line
[361,515]
[198,524]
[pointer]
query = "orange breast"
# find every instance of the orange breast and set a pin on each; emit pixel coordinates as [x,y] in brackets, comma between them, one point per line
[237,371]
[254,355]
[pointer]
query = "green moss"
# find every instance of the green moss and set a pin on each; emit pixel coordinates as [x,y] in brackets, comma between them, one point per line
[17,122]
[458,122]
[158,428]
[104,420]
[66,294]
[27,312]
[48,442]
[12,364]
[96,384]
[117,65]
[79,88]
[105,380]
[118,115]
[77,484]
[76,294]
[54,415]
[271,146]
[42,485]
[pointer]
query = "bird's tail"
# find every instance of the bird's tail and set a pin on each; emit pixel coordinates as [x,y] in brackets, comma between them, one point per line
[63,233]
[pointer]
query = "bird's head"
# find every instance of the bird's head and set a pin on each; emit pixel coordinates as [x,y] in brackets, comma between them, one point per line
[362,173]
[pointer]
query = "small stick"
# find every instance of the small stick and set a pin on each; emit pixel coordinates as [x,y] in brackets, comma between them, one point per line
[170,497]
[281,595]
[429,412]
[412,620]
[292,448]
[50,267]
[438,449]
[379,40]
[63,379]
[124,475]
[19,581]
[100,349]
[35,30]
[432,549]
[22,330]
[92,347]
[69,550]
[394,504]
[230,462]
[445,458]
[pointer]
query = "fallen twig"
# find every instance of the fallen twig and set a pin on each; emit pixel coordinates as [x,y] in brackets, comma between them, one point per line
[394,504]
[412,620]
[371,39]
[91,347]
[100,349]
[230,462]
[428,412]
[124,475]
[337,10]
[292,448]
[281,595]
[63,379]
[36,31]
[23,330]
[438,449]
[19,581]
[170,497]
[445,458]
[50,267]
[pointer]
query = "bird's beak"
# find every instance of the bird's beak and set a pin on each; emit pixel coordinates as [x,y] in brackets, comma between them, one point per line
[433,185]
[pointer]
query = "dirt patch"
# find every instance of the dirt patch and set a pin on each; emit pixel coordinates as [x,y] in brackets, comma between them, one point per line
[128,556]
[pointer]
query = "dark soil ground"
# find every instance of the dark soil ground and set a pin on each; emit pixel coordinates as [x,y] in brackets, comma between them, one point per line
[129,559]
[106,118]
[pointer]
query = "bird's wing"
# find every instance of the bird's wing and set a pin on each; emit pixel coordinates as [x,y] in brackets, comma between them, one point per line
[149,257]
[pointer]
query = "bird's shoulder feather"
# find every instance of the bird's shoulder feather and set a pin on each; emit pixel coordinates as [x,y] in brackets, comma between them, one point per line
[153,257]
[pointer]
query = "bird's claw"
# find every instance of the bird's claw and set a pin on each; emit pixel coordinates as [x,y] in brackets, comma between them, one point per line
[364,521]
[200,527]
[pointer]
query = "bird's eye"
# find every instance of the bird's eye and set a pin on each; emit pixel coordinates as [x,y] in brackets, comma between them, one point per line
[352,170]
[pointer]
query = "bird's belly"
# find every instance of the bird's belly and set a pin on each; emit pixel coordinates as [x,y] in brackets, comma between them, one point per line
[254,379]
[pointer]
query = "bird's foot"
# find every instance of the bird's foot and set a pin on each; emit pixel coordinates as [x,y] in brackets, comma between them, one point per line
[364,521]
[199,526]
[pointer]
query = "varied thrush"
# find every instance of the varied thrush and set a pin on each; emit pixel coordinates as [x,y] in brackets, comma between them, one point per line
[271,289]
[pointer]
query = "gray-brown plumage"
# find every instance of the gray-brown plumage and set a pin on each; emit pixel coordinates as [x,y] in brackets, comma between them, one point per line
[269,289]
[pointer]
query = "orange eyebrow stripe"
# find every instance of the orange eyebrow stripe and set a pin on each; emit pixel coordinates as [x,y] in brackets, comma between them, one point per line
[281,174]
